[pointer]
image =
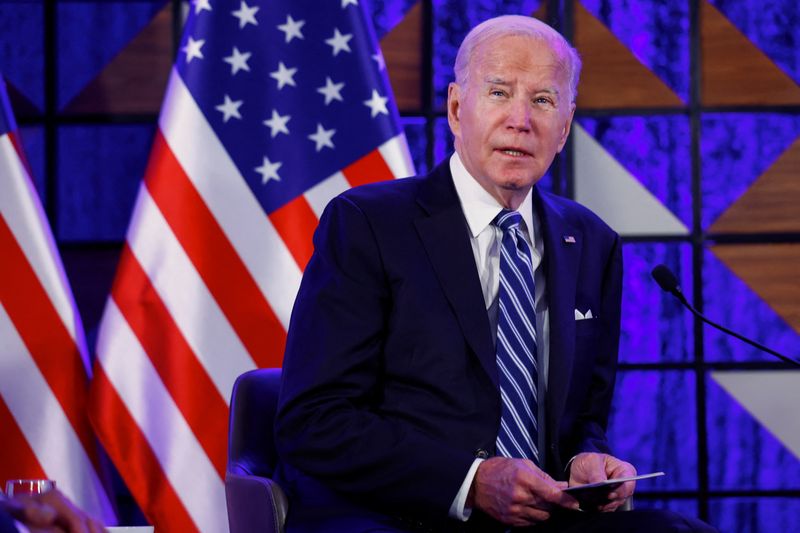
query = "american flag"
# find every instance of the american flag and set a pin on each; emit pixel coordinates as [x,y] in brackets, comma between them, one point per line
[272,109]
[44,380]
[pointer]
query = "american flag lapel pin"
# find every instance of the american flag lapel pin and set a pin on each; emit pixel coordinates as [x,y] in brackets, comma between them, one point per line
[569,239]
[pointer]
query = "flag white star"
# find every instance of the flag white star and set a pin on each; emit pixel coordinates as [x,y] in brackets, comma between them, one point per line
[322,137]
[292,28]
[377,104]
[201,5]
[339,42]
[238,60]
[230,108]
[332,91]
[346,3]
[269,170]
[379,60]
[277,124]
[192,49]
[246,15]
[284,76]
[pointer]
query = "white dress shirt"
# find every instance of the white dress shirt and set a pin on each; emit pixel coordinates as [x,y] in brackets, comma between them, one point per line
[480,209]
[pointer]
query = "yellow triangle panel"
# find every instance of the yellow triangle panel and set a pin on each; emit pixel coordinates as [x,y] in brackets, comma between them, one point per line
[771,204]
[735,71]
[612,76]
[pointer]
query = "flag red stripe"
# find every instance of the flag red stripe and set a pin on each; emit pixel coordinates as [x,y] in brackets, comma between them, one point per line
[18,460]
[201,404]
[44,334]
[215,259]
[296,222]
[128,447]
[368,169]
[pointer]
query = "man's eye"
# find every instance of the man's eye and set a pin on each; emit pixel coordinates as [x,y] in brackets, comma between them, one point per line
[497,92]
[543,100]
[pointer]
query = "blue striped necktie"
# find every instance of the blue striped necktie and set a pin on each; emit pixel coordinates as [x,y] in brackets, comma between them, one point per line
[516,344]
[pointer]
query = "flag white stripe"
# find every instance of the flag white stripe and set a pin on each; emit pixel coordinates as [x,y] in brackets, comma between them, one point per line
[44,424]
[19,204]
[320,194]
[181,456]
[186,297]
[205,161]
[397,156]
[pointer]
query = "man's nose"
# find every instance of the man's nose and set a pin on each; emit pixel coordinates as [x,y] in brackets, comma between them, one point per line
[519,116]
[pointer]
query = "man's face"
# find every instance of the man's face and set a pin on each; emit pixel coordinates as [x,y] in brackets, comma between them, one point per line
[511,116]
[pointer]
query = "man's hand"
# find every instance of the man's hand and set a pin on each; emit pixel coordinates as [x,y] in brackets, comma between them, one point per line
[516,492]
[594,467]
[51,511]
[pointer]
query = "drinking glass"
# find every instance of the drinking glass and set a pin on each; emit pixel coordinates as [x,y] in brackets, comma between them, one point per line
[15,487]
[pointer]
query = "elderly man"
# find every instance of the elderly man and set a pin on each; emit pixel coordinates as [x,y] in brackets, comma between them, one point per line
[436,377]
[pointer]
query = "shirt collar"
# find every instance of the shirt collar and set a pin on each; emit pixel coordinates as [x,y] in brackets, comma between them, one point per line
[480,207]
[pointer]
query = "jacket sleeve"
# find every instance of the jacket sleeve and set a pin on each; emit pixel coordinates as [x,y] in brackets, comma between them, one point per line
[329,425]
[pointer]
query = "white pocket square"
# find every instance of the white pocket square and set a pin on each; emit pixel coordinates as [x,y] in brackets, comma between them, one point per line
[583,316]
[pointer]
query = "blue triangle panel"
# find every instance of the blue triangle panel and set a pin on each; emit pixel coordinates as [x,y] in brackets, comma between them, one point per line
[22,48]
[754,515]
[655,327]
[452,20]
[386,14]
[730,302]
[656,150]
[772,25]
[656,32]
[735,149]
[748,456]
[653,425]
[90,35]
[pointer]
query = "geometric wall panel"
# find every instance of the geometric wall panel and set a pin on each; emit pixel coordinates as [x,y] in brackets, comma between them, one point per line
[755,515]
[731,301]
[606,62]
[91,34]
[135,79]
[735,149]
[735,71]
[402,51]
[643,44]
[655,327]
[771,204]
[772,271]
[744,454]
[653,148]
[653,426]
[771,397]
[22,53]
[608,189]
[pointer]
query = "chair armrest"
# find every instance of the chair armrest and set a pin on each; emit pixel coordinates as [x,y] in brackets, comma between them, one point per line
[254,502]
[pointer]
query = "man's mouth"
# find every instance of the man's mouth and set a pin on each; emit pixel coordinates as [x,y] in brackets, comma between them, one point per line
[513,152]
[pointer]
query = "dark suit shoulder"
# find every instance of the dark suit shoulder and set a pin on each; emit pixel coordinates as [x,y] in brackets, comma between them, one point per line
[389,194]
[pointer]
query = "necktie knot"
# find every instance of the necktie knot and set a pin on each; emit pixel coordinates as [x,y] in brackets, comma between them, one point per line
[507,220]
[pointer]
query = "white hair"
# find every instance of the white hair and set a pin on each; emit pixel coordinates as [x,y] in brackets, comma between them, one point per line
[508,25]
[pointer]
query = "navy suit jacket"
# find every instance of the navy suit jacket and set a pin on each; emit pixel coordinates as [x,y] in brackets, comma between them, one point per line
[390,386]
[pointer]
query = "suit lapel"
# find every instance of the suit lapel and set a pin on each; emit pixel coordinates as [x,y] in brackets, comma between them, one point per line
[562,245]
[445,236]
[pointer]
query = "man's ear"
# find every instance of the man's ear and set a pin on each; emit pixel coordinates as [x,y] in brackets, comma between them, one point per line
[454,108]
[567,127]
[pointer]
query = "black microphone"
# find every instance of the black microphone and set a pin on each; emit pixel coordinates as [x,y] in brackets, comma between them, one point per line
[669,283]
